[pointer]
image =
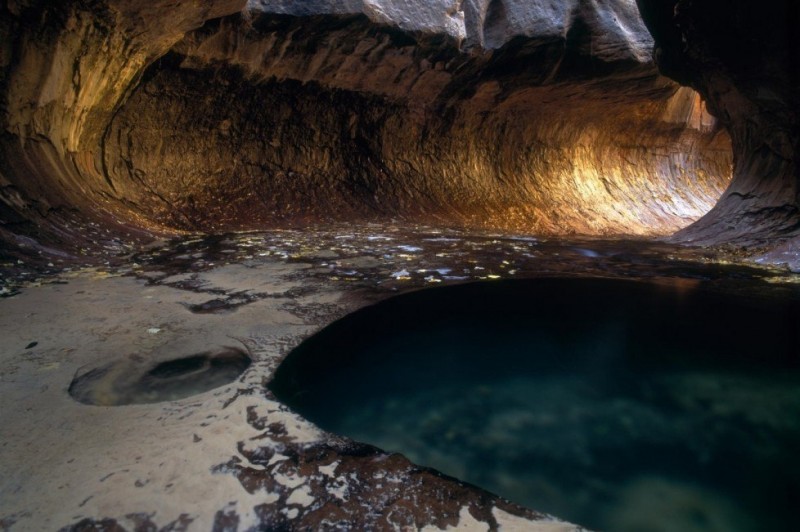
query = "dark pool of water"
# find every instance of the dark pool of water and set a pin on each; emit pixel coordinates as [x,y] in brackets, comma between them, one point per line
[614,404]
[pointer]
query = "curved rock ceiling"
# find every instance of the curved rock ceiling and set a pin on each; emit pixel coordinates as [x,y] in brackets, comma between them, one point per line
[743,57]
[543,117]
[538,117]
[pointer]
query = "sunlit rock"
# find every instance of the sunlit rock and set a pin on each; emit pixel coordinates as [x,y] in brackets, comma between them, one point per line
[536,117]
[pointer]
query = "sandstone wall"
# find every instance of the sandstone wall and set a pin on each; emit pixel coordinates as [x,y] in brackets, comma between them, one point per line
[533,116]
[743,57]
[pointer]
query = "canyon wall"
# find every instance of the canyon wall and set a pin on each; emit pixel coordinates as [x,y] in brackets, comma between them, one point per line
[320,118]
[65,68]
[744,59]
[528,116]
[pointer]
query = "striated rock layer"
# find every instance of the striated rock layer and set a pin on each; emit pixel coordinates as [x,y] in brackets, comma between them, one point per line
[529,116]
[65,68]
[744,59]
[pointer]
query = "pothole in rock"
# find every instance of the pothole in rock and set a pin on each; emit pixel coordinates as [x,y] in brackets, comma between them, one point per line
[618,405]
[131,381]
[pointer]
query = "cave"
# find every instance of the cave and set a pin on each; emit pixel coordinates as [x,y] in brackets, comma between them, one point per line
[191,192]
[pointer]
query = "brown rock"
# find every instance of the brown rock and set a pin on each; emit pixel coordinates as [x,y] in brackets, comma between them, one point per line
[742,57]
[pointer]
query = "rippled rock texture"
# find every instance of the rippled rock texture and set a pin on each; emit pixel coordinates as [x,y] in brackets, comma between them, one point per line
[510,115]
[65,68]
[743,58]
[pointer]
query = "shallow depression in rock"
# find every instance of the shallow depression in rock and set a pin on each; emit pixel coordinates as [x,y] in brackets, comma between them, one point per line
[134,380]
[603,402]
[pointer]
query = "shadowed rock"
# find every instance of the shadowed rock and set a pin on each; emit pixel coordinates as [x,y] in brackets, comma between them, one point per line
[743,58]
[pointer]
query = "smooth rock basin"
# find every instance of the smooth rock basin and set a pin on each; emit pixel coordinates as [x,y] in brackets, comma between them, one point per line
[619,405]
[135,380]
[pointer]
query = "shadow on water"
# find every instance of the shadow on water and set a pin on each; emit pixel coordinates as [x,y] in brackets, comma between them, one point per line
[618,405]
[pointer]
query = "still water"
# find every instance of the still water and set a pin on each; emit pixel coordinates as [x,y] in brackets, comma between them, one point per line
[618,405]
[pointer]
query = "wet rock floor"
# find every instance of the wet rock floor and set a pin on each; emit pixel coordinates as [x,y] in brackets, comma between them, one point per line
[380,259]
[232,457]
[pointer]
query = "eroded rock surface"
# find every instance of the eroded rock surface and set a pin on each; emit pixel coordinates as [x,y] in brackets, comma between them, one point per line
[123,118]
[543,117]
[306,126]
[743,58]
[233,456]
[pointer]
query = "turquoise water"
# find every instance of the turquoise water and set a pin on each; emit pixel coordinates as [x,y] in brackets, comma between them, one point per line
[613,404]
